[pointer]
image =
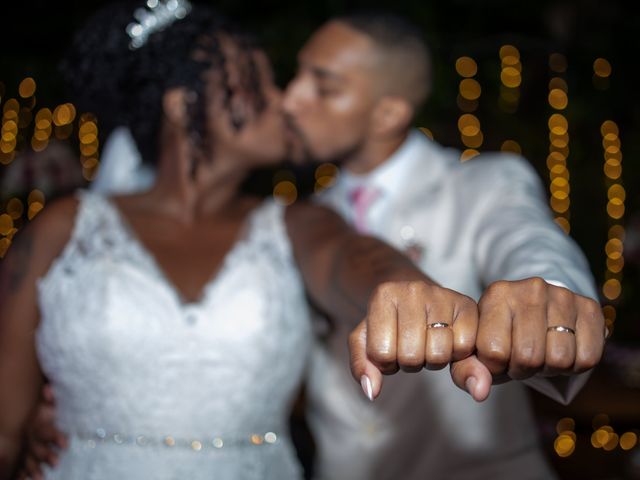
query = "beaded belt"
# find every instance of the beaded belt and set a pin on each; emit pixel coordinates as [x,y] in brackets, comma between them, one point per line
[101,436]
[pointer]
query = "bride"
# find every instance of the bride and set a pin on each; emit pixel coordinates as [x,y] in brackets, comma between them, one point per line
[172,324]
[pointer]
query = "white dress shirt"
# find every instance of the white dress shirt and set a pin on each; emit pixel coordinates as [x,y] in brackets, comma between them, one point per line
[466,225]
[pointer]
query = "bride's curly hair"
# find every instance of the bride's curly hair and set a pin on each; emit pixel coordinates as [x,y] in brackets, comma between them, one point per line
[125,86]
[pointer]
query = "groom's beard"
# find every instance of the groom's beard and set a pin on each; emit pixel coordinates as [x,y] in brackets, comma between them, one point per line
[301,153]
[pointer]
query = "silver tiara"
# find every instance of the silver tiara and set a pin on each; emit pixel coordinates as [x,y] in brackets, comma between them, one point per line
[158,15]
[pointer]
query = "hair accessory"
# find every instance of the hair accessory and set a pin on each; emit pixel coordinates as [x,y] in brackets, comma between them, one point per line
[158,15]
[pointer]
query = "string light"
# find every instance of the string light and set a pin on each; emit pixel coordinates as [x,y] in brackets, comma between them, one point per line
[510,78]
[559,176]
[89,145]
[469,91]
[325,175]
[601,73]
[616,196]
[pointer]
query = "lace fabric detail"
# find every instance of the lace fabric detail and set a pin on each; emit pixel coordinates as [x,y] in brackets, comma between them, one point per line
[124,353]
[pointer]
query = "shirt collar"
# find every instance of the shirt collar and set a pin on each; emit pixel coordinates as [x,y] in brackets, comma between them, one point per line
[391,175]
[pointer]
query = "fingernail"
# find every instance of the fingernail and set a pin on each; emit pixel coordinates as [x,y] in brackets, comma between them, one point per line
[470,385]
[606,332]
[365,383]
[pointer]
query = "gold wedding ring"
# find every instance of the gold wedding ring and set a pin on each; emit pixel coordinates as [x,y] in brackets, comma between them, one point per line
[560,328]
[437,325]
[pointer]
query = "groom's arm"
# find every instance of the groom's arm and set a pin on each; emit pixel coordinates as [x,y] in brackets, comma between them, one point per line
[354,277]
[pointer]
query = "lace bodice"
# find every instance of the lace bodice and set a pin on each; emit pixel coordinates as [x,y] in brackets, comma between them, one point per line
[148,386]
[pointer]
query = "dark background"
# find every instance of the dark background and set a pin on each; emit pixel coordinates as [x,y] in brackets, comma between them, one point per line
[34,34]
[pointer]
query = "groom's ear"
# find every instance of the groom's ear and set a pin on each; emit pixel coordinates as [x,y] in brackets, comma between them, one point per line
[174,106]
[391,115]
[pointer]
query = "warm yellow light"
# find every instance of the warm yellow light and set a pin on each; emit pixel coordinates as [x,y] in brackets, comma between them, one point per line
[89,162]
[470,89]
[427,132]
[38,145]
[510,77]
[616,191]
[601,67]
[27,87]
[612,289]
[564,151]
[6,158]
[558,99]
[509,51]
[615,208]
[558,124]
[36,196]
[612,169]
[88,128]
[512,61]
[89,150]
[468,154]
[554,159]
[617,231]
[558,62]
[7,146]
[285,192]
[15,208]
[615,266]
[611,145]
[614,248]
[564,445]
[565,424]
[472,141]
[612,443]
[62,115]
[558,83]
[559,205]
[609,126]
[6,224]
[559,170]
[564,224]
[613,156]
[559,141]
[468,120]
[609,313]
[42,135]
[466,67]
[511,146]
[326,170]
[34,209]
[628,440]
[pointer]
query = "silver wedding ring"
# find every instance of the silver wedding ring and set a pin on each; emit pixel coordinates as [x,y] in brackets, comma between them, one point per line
[437,325]
[560,328]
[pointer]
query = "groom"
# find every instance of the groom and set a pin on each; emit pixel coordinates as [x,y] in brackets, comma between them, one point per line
[481,228]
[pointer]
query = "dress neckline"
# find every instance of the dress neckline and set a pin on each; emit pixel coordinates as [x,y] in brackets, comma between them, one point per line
[244,234]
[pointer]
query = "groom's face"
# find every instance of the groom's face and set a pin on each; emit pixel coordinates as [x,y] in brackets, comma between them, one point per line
[329,102]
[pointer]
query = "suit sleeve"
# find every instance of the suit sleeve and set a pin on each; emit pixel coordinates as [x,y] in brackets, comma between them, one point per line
[516,238]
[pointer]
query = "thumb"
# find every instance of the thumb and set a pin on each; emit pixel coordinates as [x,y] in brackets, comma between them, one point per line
[473,377]
[364,372]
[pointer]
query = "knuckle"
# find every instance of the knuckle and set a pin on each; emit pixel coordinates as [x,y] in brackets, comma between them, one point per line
[495,354]
[528,358]
[411,361]
[497,289]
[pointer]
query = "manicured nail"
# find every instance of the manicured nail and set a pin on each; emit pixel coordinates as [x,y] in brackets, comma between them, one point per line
[470,385]
[365,382]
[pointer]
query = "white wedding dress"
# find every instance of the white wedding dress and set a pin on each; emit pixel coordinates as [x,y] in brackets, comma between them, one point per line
[150,387]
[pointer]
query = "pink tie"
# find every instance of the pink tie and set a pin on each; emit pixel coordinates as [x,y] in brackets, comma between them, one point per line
[362,198]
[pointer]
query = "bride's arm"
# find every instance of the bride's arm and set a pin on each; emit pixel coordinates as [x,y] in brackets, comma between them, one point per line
[341,268]
[20,377]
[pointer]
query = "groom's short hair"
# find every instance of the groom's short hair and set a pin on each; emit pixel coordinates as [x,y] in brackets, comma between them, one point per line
[405,60]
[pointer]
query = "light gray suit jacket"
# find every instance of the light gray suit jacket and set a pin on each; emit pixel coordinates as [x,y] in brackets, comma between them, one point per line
[467,225]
